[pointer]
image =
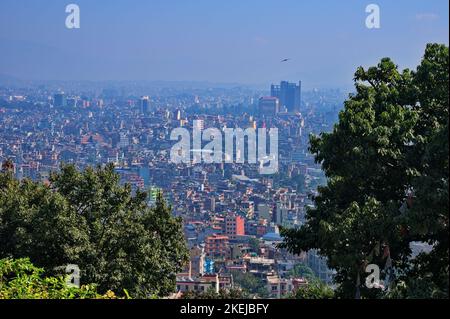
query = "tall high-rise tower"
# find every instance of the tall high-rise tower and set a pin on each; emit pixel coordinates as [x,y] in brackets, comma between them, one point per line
[145,105]
[60,100]
[289,95]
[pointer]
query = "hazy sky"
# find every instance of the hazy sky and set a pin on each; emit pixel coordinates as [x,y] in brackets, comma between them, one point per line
[210,40]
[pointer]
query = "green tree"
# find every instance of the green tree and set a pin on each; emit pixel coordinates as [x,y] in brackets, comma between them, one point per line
[301,271]
[250,284]
[254,244]
[315,289]
[20,279]
[389,142]
[87,218]
[428,218]
[38,223]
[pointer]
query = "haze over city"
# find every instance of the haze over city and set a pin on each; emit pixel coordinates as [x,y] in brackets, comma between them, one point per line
[260,152]
[227,41]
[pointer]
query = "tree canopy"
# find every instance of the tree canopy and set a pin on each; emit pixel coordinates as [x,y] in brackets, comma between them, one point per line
[315,289]
[20,279]
[389,150]
[87,218]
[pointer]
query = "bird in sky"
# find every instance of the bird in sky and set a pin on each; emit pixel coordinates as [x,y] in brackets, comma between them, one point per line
[285,60]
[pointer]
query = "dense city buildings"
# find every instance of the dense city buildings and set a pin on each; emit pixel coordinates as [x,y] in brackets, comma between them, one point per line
[231,213]
[232,150]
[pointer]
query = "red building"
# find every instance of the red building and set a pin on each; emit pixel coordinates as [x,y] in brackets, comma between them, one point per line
[234,226]
[217,246]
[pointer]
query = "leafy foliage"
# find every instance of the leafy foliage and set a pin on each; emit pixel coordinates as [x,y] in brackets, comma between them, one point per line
[250,284]
[254,244]
[87,218]
[20,279]
[301,271]
[315,289]
[391,140]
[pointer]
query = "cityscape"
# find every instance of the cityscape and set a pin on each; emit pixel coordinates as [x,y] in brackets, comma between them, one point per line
[261,151]
[230,212]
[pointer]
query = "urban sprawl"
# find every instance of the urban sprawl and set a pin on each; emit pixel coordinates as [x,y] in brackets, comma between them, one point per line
[231,212]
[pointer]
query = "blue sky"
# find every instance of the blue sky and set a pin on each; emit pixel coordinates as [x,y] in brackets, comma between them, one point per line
[239,41]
